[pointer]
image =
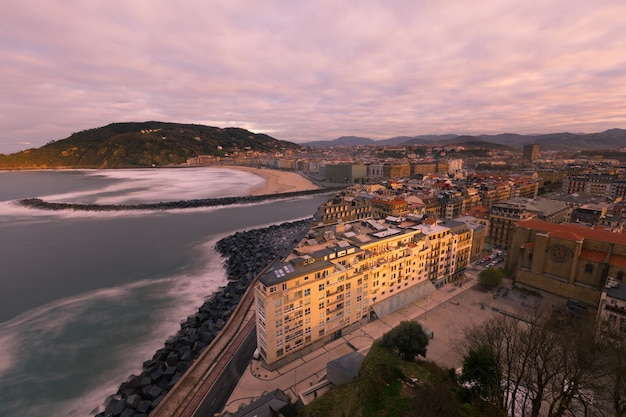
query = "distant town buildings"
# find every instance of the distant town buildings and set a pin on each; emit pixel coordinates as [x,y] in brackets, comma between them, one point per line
[412,219]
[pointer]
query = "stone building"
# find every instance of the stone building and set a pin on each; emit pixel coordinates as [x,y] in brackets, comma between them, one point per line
[567,260]
[344,207]
[391,171]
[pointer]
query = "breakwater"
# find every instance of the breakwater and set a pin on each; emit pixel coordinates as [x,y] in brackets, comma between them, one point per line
[247,254]
[169,205]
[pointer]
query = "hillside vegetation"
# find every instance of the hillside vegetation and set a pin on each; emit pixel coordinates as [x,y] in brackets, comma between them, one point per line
[387,386]
[128,145]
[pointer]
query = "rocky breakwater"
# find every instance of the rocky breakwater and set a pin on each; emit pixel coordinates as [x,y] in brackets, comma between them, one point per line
[40,204]
[247,253]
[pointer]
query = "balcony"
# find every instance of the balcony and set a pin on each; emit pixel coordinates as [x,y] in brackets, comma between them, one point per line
[330,303]
[337,308]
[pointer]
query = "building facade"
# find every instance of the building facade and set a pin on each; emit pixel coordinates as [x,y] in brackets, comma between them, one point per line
[567,260]
[340,277]
[531,153]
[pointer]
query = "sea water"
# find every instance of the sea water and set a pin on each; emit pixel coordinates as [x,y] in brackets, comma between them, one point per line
[86,297]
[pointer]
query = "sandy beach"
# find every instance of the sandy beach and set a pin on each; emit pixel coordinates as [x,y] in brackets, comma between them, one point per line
[277,181]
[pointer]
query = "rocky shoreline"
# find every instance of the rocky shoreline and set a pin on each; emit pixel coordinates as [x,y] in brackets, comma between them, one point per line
[247,254]
[169,205]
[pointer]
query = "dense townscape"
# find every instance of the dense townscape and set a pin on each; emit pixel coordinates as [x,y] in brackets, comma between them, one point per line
[401,229]
[406,221]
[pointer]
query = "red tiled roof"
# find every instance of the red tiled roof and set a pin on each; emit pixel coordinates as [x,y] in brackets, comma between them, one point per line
[576,230]
[565,234]
[618,260]
[592,255]
[430,221]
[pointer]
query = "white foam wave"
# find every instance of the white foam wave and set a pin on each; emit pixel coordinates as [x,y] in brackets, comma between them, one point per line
[156,185]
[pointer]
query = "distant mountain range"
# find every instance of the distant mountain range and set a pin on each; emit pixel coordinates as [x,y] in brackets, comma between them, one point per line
[612,139]
[124,145]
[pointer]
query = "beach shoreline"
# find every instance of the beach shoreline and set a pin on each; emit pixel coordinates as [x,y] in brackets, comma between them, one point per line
[276,181]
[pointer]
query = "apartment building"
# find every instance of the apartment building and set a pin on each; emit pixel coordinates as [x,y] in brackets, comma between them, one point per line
[395,206]
[611,316]
[504,215]
[344,207]
[340,277]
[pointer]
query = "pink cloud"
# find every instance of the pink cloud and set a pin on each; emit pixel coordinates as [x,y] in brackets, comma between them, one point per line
[306,71]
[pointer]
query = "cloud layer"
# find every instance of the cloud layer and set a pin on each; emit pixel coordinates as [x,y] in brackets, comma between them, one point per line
[312,70]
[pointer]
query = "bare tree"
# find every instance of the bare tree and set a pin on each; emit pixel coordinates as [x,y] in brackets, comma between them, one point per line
[545,364]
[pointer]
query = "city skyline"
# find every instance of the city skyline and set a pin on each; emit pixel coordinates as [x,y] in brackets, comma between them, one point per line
[306,72]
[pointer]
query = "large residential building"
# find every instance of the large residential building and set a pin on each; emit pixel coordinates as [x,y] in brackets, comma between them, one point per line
[567,260]
[340,277]
[504,215]
[531,153]
[401,170]
[344,207]
[390,207]
[345,173]
[611,316]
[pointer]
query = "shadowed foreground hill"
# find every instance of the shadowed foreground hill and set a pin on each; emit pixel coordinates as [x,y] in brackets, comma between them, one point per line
[136,145]
[387,386]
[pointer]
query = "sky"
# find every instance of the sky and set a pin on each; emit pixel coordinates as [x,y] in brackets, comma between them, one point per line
[312,70]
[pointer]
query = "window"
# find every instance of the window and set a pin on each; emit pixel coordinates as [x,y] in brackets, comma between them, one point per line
[321,287]
[307,311]
[589,268]
[307,292]
[272,289]
[279,352]
[284,286]
[321,306]
[279,322]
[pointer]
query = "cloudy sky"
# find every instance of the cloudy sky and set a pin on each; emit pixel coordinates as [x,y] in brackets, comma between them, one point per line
[311,70]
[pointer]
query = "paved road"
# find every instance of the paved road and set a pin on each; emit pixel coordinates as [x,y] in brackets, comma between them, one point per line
[220,385]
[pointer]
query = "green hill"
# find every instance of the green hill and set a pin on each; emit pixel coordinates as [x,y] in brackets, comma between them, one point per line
[128,145]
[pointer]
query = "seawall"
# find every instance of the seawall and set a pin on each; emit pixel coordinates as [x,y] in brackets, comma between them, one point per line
[247,253]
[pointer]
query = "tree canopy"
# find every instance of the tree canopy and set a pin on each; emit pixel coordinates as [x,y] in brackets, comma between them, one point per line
[491,277]
[408,340]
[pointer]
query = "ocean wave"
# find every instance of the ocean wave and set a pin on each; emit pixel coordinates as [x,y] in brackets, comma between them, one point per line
[89,344]
[151,185]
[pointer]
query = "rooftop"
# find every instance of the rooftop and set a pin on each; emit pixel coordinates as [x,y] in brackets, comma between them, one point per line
[574,230]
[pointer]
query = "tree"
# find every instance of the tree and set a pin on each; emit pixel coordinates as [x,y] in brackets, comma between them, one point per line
[481,373]
[408,340]
[491,278]
[544,364]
